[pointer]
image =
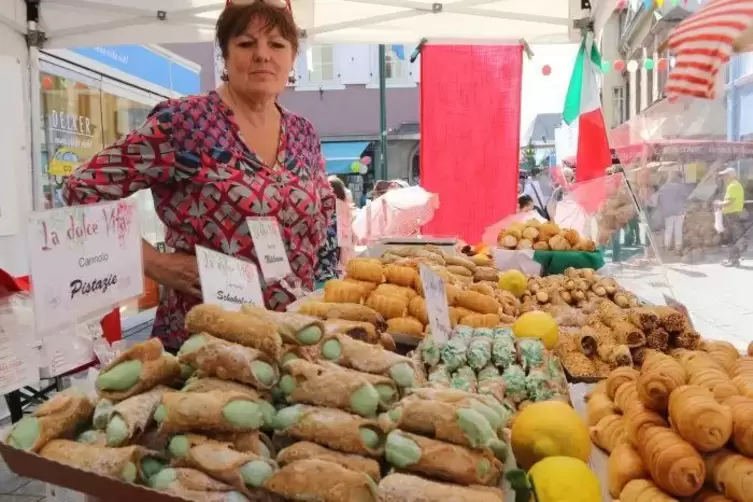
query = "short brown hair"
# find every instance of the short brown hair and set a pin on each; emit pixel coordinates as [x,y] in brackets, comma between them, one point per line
[235,19]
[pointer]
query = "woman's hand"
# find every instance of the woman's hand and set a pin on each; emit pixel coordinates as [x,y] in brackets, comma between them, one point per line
[178,271]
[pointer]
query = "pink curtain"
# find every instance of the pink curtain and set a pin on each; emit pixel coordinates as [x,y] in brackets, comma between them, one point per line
[470,135]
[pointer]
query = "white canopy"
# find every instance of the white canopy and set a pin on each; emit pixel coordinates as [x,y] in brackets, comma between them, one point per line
[77,23]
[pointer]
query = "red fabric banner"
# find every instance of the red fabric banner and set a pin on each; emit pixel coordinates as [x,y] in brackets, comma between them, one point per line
[470,135]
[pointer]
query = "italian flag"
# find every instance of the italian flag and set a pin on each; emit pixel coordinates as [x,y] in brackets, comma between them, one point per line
[583,103]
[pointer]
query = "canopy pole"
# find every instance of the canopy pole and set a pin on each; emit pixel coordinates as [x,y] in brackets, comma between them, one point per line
[35,39]
[383,112]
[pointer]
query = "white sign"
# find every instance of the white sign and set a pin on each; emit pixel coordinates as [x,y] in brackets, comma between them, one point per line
[436,304]
[84,260]
[227,281]
[270,250]
[19,359]
[344,228]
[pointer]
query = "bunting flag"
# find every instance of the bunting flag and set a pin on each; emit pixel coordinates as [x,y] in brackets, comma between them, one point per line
[583,103]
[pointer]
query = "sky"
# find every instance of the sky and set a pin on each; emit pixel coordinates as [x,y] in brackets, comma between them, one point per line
[546,94]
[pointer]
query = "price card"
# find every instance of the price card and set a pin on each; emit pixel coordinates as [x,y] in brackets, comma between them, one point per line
[436,304]
[19,361]
[84,259]
[270,250]
[227,281]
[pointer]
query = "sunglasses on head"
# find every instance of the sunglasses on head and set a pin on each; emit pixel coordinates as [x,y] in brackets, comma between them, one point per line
[280,4]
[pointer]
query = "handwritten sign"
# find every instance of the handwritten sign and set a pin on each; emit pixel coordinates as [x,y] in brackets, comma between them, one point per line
[84,260]
[270,250]
[227,281]
[436,304]
[19,360]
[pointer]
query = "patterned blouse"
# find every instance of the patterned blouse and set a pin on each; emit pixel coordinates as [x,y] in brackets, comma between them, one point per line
[205,182]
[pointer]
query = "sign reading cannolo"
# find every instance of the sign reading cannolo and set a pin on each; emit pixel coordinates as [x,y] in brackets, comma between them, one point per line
[436,304]
[270,250]
[226,281]
[84,261]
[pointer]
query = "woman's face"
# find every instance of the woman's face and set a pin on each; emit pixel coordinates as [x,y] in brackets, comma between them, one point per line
[259,60]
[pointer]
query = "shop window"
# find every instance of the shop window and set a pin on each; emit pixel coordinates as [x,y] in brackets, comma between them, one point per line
[619,106]
[317,68]
[399,71]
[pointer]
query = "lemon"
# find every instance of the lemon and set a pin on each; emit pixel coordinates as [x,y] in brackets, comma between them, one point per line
[564,479]
[549,429]
[513,281]
[537,324]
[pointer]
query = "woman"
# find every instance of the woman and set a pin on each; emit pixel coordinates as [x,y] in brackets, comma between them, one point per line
[214,160]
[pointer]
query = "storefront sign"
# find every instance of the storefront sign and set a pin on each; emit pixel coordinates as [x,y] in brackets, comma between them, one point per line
[270,250]
[227,281]
[436,304]
[84,260]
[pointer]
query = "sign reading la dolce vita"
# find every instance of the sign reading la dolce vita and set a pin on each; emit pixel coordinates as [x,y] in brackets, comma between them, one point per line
[85,260]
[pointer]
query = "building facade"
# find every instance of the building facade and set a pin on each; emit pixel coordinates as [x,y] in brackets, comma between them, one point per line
[337,88]
[739,96]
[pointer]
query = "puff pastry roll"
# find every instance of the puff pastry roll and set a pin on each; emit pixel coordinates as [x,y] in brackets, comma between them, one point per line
[365,269]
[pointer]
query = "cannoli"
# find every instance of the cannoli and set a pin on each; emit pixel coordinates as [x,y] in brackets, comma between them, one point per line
[530,353]
[477,302]
[588,341]
[405,488]
[340,291]
[195,485]
[459,260]
[459,270]
[314,308]
[322,481]
[492,385]
[235,327]
[475,320]
[305,450]
[242,470]
[467,421]
[214,357]
[93,437]
[488,372]
[310,383]
[138,369]
[440,376]
[479,352]
[406,325]
[295,329]
[455,352]
[539,386]
[57,417]
[388,306]
[130,418]
[515,383]
[402,276]
[363,331]
[211,411]
[361,356]
[440,460]
[388,289]
[333,428]
[209,384]
[366,286]
[645,318]
[305,352]
[464,332]
[384,385]
[361,313]
[102,413]
[430,352]
[248,442]
[504,352]
[626,333]
[365,269]
[130,464]
[670,319]
[490,274]
[464,379]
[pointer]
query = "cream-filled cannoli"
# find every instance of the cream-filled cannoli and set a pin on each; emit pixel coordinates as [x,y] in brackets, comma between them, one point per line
[211,411]
[102,412]
[137,370]
[214,357]
[195,485]
[440,460]
[364,331]
[384,385]
[93,437]
[56,418]
[295,329]
[333,428]
[306,449]
[131,417]
[207,384]
[248,442]
[242,470]
[406,488]
[362,356]
[311,383]
[323,481]
[235,327]
[130,464]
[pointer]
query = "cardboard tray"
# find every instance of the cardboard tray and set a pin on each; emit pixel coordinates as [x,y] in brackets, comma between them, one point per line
[33,466]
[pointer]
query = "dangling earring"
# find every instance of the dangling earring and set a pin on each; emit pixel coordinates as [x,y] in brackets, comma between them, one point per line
[224,77]
[291,77]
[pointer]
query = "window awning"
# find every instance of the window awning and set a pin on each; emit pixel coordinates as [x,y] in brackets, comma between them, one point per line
[340,155]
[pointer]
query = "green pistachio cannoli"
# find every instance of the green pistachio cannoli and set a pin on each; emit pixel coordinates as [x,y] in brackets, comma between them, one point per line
[102,413]
[539,385]
[293,328]
[92,437]
[406,488]
[479,352]
[464,379]
[440,376]
[440,460]
[430,352]
[313,479]
[455,353]
[530,353]
[503,350]
[130,418]
[515,383]
[483,333]
[384,385]
[211,411]
[194,485]
[464,332]
[333,428]
[488,372]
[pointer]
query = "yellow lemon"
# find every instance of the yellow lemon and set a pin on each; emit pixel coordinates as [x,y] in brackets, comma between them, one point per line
[513,281]
[549,429]
[537,324]
[564,479]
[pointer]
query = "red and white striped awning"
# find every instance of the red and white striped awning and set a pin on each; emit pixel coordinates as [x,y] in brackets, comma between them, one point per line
[704,43]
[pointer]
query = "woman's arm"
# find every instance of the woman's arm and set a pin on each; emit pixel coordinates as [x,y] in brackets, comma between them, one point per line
[178,271]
